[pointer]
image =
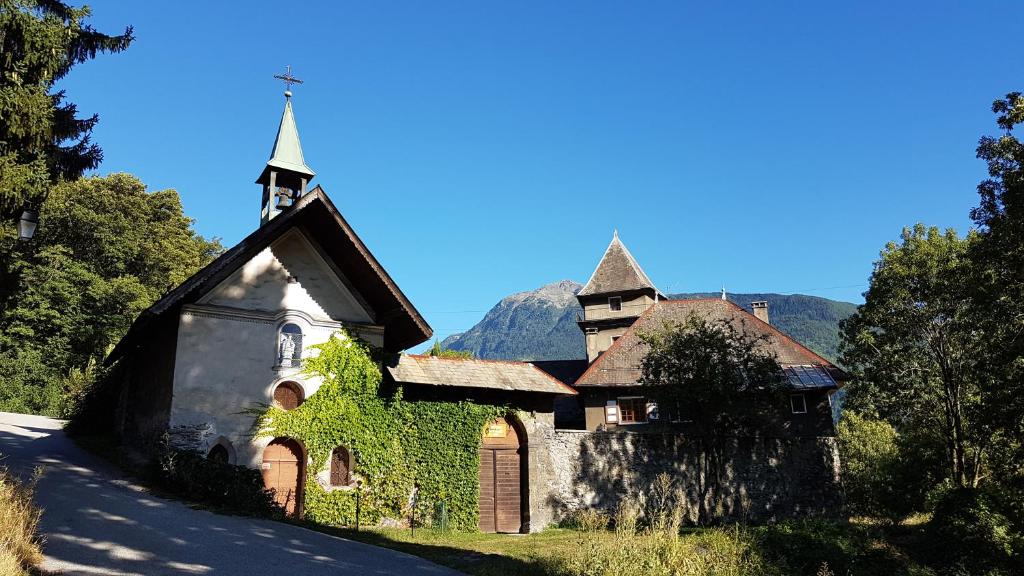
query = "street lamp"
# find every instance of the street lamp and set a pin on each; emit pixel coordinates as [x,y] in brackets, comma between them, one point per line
[27,224]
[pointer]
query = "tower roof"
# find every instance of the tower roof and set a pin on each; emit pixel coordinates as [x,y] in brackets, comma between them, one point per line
[287,152]
[618,271]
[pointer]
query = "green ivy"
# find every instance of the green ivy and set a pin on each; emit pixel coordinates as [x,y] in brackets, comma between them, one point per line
[395,443]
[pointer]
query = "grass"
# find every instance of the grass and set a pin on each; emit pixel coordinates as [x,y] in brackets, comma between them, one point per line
[19,545]
[813,548]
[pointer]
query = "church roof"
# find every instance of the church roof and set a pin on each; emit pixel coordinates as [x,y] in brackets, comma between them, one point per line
[287,152]
[317,216]
[618,271]
[620,364]
[472,373]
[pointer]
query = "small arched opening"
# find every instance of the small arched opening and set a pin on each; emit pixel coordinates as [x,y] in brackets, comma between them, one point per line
[504,494]
[341,467]
[288,396]
[218,454]
[284,468]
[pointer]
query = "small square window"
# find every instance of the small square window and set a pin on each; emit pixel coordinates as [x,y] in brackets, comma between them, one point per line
[615,303]
[798,404]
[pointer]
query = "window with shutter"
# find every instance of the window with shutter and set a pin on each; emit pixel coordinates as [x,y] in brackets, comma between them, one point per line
[632,410]
[652,411]
[611,413]
[288,396]
[341,475]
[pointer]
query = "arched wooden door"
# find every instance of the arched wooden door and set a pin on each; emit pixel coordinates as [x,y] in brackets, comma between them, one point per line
[283,471]
[501,485]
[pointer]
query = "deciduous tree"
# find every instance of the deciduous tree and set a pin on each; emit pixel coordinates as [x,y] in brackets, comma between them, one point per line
[914,349]
[106,249]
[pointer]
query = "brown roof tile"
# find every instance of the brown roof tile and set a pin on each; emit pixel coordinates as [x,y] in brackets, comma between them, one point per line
[618,271]
[620,364]
[473,373]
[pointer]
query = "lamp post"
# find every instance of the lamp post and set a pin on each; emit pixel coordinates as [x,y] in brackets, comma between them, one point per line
[27,224]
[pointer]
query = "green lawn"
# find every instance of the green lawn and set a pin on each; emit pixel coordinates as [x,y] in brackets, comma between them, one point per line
[792,549]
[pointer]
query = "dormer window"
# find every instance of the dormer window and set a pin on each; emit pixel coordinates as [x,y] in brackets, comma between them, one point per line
[289,348]
[615,303]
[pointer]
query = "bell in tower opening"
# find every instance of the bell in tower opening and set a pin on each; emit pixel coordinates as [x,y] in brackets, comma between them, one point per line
[286,177]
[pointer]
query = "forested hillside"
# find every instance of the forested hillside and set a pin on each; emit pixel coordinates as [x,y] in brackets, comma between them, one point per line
[541,324]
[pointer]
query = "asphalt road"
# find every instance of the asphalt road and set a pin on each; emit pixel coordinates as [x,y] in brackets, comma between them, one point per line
[95,521]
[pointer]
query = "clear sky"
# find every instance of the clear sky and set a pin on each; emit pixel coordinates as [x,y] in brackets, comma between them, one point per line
[482,148]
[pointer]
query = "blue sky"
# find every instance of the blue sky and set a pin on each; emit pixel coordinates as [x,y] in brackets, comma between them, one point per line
[483,148]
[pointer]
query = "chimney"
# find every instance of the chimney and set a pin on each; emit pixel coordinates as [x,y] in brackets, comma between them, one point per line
[761,310]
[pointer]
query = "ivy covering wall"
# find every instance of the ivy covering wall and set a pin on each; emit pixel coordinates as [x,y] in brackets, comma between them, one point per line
[395,444]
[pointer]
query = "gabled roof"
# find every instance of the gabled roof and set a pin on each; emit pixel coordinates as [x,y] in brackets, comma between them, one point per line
[287,151]
[620,364]
[618,271]
[316,215]
[473,373]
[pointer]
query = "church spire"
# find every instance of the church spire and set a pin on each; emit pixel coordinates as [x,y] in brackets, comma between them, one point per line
[286,175]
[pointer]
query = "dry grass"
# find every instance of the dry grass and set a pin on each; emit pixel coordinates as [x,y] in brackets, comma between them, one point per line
[19,545]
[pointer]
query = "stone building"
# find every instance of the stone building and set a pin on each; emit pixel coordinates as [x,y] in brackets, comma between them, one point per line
[233,336]
[612,440]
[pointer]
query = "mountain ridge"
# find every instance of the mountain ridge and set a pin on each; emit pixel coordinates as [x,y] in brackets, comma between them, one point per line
[540,324]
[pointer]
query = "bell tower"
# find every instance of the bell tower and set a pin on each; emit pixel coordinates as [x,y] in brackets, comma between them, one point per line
[285,177]
[617,293]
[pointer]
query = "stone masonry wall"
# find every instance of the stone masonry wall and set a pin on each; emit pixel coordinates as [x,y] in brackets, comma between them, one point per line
[751,479]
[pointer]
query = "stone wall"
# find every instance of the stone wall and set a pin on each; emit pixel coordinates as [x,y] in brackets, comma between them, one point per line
[752,479]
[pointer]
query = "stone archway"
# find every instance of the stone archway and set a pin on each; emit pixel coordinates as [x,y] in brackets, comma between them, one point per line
[503,482]
[284,469]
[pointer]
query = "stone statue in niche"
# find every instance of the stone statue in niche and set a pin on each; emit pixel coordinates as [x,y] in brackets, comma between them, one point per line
[288,346]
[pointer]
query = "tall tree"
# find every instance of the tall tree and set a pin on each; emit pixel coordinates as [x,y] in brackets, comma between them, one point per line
[106,249]
[42,139]
[914,349]
[999,258]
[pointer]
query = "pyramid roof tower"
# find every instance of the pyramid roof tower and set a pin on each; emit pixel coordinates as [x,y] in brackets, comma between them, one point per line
[617,272]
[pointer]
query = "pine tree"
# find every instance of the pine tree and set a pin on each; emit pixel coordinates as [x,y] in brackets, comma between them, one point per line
[42,139]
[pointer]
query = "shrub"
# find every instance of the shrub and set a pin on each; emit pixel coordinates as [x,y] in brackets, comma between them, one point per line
[969,536]
[19,545]
[873,469]
[232,488]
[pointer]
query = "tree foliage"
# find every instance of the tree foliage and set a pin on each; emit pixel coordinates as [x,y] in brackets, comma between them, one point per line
[718,375]
[42,139]
[914,350]
[438,350]
[998,283]
[105,250]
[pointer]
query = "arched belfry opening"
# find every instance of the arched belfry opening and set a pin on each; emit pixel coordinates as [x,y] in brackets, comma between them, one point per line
[504,483]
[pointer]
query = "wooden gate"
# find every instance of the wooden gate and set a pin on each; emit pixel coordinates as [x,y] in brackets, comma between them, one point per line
[501,483]
[283,471]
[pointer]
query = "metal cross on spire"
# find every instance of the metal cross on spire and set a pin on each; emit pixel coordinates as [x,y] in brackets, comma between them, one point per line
[288,80]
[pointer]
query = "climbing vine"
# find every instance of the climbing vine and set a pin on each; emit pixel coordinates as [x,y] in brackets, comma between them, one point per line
[395,444]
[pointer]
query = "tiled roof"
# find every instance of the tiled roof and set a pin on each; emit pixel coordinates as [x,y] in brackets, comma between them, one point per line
[314,211]
[471,373]
[618,271]
[620,364]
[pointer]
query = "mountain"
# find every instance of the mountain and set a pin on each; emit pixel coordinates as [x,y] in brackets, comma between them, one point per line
[541,324]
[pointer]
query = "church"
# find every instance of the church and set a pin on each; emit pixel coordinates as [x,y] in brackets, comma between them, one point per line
[234,336]
[577,434]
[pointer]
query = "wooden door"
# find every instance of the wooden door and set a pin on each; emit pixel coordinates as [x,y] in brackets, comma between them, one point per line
[501,483]
[283,471]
